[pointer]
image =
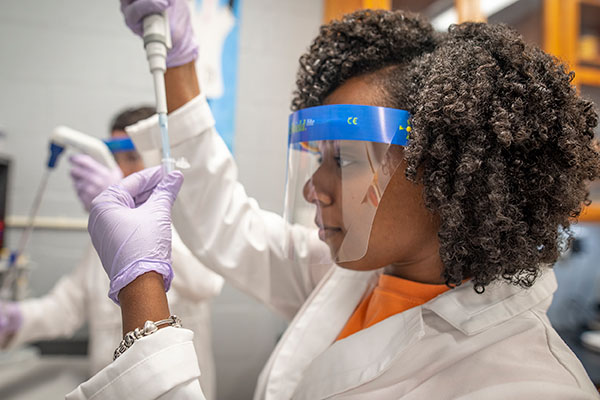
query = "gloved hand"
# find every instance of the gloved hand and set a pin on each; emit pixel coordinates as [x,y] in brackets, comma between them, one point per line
[185,48]
[11,318]
[90,177]
[130,226]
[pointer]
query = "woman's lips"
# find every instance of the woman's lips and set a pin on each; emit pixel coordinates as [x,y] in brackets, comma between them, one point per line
[327,232]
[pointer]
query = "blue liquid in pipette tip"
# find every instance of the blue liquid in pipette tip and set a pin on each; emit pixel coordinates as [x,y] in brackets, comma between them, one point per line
[166,147]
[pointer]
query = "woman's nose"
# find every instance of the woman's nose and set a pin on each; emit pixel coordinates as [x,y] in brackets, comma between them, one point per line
[313,193]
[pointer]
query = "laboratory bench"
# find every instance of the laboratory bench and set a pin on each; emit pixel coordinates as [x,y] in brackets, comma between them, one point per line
[26,374]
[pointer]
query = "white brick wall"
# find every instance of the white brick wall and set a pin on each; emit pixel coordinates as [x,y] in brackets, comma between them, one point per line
[73,62]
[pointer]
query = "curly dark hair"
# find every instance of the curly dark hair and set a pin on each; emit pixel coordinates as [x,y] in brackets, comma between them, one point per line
[362,42]
[505,148]
[501,141]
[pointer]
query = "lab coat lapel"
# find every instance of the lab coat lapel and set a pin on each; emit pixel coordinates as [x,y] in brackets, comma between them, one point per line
[315,328]
[471,313]
[361,357]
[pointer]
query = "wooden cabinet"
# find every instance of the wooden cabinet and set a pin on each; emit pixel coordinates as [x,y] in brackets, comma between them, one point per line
[335,9]
[572,33]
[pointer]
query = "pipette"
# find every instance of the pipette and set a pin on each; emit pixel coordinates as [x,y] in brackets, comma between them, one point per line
[157,40]
[61,138]
[6,291]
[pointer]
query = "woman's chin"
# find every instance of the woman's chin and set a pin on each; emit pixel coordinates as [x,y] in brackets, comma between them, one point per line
[362,264]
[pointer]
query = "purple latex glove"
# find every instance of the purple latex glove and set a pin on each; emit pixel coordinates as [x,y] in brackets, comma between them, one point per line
[185,48]
[90,177]
[11,318]
[130,226]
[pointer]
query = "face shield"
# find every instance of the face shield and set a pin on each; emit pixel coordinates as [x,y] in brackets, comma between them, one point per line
[340,161]
[120,144]
[125,154]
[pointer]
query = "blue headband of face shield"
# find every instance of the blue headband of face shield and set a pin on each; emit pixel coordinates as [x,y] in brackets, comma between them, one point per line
[349,122]
[118,145]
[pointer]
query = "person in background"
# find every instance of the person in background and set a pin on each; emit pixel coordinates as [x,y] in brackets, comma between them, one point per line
[81,296]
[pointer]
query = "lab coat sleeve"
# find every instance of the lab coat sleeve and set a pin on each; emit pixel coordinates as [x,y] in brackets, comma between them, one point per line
[162,365]
[59,313]
[194,281]
[223,227]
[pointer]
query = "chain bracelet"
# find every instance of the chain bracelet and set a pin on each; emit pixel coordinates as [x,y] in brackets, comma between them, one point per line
[148,329]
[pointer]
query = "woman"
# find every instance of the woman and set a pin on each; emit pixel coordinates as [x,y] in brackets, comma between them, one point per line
[441,231]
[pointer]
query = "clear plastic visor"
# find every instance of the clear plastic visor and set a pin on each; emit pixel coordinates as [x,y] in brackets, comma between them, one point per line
[340,161]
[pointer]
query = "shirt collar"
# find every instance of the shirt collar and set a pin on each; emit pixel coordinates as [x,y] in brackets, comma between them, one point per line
[471,313]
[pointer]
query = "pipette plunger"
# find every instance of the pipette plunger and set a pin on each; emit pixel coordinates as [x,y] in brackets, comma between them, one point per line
[157,40]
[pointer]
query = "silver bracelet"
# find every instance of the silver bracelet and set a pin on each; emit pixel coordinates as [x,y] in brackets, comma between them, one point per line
[148,329]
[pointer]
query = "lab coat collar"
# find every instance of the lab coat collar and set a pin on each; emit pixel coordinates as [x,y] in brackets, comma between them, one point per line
[361,357]
[314,329]
[471,313]
[365,355]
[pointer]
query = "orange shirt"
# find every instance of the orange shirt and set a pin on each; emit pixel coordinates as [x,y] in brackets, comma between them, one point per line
[391,296]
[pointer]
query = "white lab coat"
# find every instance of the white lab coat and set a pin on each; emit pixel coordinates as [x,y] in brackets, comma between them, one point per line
[83,296]
[463,345]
